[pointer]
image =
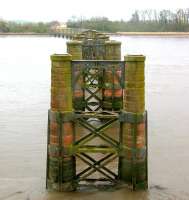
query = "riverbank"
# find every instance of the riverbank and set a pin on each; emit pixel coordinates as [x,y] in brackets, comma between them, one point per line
[164,34]
[25,34]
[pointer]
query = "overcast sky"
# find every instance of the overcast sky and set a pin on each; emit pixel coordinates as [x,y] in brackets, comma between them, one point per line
[48,10]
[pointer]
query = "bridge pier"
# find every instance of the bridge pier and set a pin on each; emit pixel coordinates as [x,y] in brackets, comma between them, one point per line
[92,83]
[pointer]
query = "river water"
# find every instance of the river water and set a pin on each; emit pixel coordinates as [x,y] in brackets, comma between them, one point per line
[24,101]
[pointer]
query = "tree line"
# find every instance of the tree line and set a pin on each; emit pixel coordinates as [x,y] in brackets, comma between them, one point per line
[29,27]
[141,21]
[149,20]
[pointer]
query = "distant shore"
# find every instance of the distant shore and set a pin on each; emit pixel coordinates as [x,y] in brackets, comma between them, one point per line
[174,34]
[163,34]
[25,34]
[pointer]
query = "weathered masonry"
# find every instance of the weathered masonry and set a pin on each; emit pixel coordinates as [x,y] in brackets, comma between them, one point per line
[97,124]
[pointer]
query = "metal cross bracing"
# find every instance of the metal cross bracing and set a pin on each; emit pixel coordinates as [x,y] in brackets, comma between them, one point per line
[105,138]
[91,78]
[93,50]
[94,78]
[98,140]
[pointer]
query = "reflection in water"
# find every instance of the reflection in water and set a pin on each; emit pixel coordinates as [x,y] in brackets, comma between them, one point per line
[24,100]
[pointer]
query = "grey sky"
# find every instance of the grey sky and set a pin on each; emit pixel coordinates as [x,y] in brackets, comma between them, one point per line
[47,10]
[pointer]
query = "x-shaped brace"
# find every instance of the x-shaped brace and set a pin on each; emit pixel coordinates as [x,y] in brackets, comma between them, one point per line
[97,166]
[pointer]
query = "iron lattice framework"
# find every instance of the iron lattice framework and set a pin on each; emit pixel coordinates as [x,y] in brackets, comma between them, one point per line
[93,49]
[94,78]
[93,45]
[89,76]
[84,147]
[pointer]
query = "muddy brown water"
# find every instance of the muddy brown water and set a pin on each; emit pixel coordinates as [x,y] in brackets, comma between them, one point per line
[24,101]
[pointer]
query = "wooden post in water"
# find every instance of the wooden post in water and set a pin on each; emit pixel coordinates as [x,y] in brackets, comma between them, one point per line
[133,163]
[60,163]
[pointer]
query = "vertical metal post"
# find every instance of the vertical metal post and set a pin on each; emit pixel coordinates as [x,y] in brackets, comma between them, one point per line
[48,140]
[146,135]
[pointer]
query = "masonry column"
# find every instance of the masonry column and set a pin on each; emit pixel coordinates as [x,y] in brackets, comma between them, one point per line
[112,91]
[75,49]
[133,164]
[60,162]
[112,50]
